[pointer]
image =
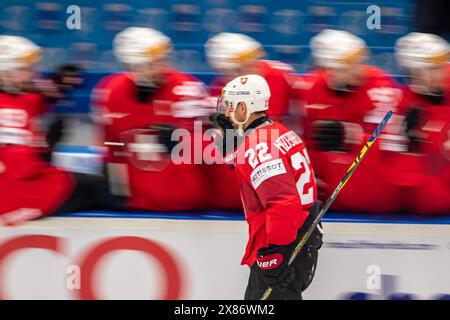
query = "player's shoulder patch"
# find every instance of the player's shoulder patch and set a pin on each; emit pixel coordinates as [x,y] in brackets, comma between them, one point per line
[267,170]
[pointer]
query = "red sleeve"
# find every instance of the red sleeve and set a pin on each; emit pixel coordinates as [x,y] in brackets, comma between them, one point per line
[281,78]
[38,102]
[100,112]
[23,163]
[275,187]
[100,98]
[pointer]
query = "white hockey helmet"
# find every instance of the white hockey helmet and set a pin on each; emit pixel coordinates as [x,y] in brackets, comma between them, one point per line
[421,50]
[18,52]
[336,48]
[251,89]
[135,45]
[229,51]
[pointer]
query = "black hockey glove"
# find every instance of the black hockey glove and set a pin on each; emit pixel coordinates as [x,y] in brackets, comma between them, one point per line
[315,239]
[67,77]
[329,135]
[306,267]
[273,263]
[273,260]
[165,135]
[413,120]
[229,140]
[220,121]
[54,89]
[55,131]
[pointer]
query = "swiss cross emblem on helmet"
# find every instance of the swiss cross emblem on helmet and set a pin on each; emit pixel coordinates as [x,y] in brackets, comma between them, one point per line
[244,80]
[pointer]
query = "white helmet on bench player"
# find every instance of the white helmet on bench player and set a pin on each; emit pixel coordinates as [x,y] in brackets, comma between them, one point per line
[18,52]
[134,45]
[251,89]
[423,56]
[227,52]
[421,50]
[336,48]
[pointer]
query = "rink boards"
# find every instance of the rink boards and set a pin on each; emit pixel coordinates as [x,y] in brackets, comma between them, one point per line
[197,256]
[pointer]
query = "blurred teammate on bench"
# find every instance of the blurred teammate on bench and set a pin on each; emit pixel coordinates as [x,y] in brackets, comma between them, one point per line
[236,54]
[345,99]
[138,110]
[425,164]
[31,187]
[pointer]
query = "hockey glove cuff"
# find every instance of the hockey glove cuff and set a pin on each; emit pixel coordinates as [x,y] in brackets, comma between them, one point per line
[273,263]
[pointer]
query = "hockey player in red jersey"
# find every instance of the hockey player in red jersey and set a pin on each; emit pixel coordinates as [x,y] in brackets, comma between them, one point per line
[277,187]
[233,54]
[345,99]
[425,165]
[139,110]
[29,186]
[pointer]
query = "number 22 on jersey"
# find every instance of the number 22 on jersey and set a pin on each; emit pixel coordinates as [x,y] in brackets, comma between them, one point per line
[299,162]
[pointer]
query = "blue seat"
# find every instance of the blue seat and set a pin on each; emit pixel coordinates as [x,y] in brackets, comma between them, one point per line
[186,22]
[49,16]
[15,18]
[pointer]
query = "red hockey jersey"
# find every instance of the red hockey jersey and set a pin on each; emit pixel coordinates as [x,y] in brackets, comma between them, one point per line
[150,177]
[277,186]
[280,78]
[366,106]
[426,172]
[361,111]
[29,186]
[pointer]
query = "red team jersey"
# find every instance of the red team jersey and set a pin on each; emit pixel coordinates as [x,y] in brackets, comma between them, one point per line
[30,187]
[366,106]
[361,110]
[153,181]
[425,174]
[280,78]
[277,186]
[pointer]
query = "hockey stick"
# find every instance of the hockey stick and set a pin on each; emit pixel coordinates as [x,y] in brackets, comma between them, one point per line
[335,193]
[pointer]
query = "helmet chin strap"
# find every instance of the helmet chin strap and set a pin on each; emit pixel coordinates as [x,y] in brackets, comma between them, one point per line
[240,124]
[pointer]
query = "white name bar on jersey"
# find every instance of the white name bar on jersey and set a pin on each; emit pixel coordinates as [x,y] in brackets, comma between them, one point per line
[287,141]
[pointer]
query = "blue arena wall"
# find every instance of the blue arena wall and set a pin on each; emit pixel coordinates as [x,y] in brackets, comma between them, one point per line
[284,27]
